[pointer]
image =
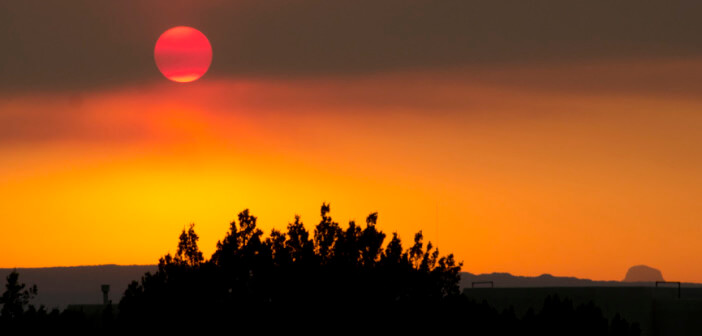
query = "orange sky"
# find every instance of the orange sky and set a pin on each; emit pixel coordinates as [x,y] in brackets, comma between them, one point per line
[575,169]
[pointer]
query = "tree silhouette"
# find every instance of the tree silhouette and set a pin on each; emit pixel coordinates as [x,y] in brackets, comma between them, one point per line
[298,243]
[326,274]
[188,253]
[339,280]
[16,297]
[371,241]
[335,279]
[325,235]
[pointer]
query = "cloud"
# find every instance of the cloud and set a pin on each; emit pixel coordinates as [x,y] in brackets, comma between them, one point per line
[83,44]
[45,118]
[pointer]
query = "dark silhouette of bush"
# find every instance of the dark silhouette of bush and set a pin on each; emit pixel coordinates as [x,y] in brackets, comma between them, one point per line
[329,281]
[19,315]
[16,297]
[333,279]
[561,317]
[291,275]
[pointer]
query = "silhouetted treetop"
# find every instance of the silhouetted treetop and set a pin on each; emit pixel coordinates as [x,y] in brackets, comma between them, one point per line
[188,252]
[325,235]
[333,277]
[330,270]
[298,244]
[16,297]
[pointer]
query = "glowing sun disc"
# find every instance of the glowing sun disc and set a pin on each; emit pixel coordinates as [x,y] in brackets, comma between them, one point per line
[183,54]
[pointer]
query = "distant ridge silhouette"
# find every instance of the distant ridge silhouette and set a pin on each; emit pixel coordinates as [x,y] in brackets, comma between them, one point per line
[61,286]
[547,280]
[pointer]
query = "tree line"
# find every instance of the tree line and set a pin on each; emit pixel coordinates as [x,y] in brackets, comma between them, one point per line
[355,278]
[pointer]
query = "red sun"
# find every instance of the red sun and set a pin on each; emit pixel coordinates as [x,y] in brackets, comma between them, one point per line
[183,54]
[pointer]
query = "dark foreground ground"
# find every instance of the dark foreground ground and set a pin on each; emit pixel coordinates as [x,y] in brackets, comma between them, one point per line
[658,311]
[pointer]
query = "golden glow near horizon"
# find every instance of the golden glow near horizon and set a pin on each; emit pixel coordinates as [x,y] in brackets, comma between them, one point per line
[510,177]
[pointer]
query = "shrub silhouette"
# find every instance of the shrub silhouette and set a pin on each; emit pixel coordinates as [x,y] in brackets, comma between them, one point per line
[329,281]
[16,297]
[18,315]
[333,279]
[327,274]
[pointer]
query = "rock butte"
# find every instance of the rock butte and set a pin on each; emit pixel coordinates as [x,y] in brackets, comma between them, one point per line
[643,273]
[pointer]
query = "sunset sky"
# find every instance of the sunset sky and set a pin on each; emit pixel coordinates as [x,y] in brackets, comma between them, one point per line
[530,137]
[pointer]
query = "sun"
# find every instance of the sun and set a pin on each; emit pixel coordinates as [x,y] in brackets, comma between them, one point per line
[183,54]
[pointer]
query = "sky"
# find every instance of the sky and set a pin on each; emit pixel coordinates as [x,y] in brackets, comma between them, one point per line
[524,137]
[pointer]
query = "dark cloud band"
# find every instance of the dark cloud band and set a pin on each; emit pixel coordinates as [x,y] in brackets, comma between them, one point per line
[81,44]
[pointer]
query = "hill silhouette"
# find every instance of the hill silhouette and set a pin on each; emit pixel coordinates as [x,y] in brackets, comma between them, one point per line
[643,273]
[61,286]
[507,280]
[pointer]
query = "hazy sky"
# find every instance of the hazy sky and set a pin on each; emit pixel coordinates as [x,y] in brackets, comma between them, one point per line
[80,44]
[525,137]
